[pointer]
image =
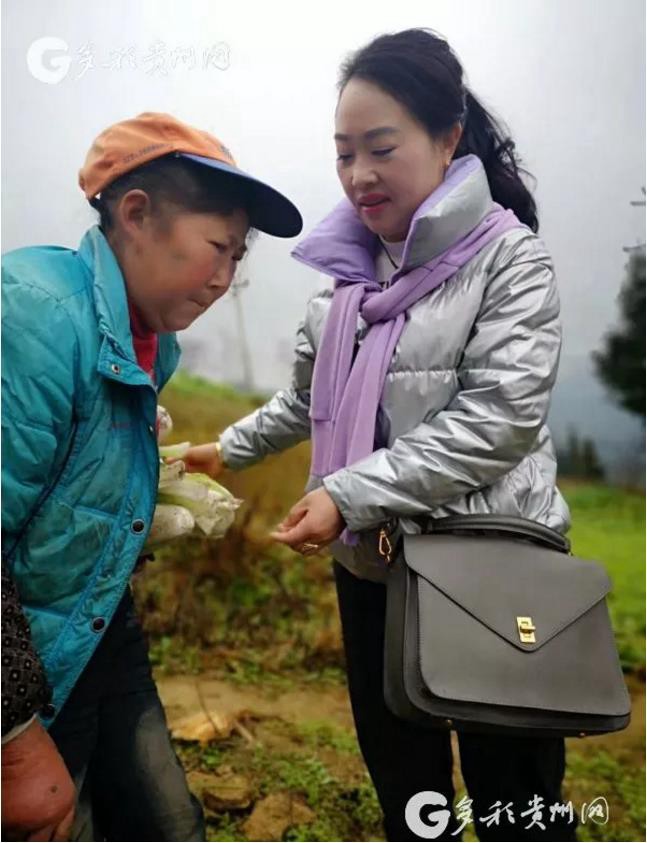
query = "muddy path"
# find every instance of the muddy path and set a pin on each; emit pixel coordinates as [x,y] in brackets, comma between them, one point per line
[259,745]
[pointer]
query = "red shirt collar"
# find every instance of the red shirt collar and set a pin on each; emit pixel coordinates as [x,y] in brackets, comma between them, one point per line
[144,341]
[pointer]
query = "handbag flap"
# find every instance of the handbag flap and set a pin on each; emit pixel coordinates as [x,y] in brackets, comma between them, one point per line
[500,580]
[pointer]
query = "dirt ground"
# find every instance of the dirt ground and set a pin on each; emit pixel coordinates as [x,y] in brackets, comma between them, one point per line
[243,719]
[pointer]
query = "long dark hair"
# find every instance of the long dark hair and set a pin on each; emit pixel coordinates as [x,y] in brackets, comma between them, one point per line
[418,68]
[174,183]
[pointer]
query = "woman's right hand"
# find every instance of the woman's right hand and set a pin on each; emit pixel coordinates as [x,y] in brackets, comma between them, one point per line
[204,459]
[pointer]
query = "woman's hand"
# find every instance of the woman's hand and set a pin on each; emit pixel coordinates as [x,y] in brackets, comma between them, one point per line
[38,795]
[311,524]
[204,459]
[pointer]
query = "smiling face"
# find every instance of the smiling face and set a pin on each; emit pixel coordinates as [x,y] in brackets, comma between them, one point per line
[176,264]
[387,162]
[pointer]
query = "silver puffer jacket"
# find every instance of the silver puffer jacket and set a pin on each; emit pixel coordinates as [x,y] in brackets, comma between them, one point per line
[466,397]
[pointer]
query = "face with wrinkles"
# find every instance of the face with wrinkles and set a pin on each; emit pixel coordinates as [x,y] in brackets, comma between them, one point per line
[176,264]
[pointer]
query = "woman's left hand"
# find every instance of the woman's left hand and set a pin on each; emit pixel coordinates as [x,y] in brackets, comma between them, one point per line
[311,524]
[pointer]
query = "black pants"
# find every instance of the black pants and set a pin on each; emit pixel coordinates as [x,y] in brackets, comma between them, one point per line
[113,737]
[404,759]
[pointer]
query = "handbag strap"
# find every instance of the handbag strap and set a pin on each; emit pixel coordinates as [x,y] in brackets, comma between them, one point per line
[500,524]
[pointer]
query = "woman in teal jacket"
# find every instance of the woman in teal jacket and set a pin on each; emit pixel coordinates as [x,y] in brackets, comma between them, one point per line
[87,343]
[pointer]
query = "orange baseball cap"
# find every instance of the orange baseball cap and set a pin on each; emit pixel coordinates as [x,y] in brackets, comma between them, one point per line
[129,144]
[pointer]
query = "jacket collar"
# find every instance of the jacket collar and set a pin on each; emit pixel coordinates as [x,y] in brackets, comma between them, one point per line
[342,246]
[117,358]
[109,290]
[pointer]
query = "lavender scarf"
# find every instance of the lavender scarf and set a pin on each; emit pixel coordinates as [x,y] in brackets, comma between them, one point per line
[345,393]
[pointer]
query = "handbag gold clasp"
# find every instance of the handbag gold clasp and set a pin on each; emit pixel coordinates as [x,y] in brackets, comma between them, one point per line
[526,630]
[385,547]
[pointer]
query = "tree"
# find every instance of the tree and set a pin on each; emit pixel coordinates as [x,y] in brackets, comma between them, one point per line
[578,457]
[591,467]
[620,364]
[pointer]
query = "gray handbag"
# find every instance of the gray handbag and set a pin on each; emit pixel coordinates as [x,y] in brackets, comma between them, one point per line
[493,626]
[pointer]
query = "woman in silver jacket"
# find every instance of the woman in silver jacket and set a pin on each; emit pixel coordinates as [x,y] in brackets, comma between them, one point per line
[423,378]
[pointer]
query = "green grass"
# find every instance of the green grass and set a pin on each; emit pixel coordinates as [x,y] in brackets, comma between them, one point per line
[321,733]
[609,527]
[192,387]
[345,804]
[589,776]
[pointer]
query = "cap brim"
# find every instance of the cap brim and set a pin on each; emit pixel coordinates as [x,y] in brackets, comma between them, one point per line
[269,210]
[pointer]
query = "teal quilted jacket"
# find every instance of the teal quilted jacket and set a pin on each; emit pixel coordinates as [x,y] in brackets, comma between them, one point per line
[79,446]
